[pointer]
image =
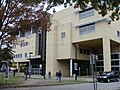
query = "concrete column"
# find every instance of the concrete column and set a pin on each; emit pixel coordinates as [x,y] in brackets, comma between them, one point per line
[18,66]
[71,67]
[106,54]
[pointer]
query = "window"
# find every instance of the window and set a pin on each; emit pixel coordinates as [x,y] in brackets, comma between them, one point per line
[14,46]
[23,44]
[80,51]
[118,33]
[114,62]
[22,34]
[100,63]
[88,52]
[18,56]
[114,56]
[26,43]
[25,54]
[28,33]
[84,51]
[63,35]
[86,13]
[100,57]
[87,29]
[115,68]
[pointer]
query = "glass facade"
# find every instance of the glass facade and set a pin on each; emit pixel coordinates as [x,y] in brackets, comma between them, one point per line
[115,62]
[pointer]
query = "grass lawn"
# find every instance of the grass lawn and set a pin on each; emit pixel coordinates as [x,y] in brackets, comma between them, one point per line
[13,80]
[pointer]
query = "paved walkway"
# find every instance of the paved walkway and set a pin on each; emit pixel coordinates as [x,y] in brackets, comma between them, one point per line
[39,80]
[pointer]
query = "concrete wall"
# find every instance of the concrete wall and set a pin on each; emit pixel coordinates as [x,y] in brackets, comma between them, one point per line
[60,50]
[31,47]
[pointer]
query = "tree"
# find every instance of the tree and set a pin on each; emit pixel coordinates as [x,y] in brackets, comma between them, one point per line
[102,6]
[6,54]
[19,16]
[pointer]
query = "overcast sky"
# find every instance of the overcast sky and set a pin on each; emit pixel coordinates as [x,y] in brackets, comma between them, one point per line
[58,8]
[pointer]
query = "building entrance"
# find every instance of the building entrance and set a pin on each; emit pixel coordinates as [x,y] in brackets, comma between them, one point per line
[83,68]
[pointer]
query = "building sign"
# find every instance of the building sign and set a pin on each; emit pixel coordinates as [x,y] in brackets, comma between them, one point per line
[75,66]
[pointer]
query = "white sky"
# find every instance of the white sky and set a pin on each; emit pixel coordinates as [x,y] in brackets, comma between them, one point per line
[58,8]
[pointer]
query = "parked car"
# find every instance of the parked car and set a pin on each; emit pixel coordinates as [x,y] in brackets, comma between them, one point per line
[108,77]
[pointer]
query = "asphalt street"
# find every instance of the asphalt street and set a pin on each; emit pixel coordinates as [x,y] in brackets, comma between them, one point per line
[85,86]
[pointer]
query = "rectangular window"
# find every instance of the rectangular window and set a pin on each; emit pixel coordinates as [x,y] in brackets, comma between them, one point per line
[100,57]
[86,13]
[22,34]
[84,51]
[23,44]
[87,29]
[114,56]
[100,63]
[80,50]
[118,33]
[25,54]
[114,62]
[62,34]
[14,46]
[26,43]
[28,33]
[88,52]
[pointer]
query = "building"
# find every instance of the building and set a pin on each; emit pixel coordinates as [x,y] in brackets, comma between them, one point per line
[28,51]
[74,35]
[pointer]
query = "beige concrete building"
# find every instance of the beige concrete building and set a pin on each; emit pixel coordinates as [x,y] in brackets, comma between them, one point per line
[74,35]
[28,51]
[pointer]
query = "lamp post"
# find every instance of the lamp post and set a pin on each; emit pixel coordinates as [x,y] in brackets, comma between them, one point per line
[29,69]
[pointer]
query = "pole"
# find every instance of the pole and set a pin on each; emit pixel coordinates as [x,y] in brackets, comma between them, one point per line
[95,71]
[92,62]
[43,50]
[29,70]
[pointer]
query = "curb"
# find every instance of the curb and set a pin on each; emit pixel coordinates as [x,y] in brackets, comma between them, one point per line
[37,85]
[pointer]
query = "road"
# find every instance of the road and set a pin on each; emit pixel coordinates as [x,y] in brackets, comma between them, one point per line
[85,86]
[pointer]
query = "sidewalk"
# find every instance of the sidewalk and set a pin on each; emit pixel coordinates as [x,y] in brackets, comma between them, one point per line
[39,80]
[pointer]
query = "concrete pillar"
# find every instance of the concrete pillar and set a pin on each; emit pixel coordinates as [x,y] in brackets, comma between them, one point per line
[71,67]
[106,54]
[18,66]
